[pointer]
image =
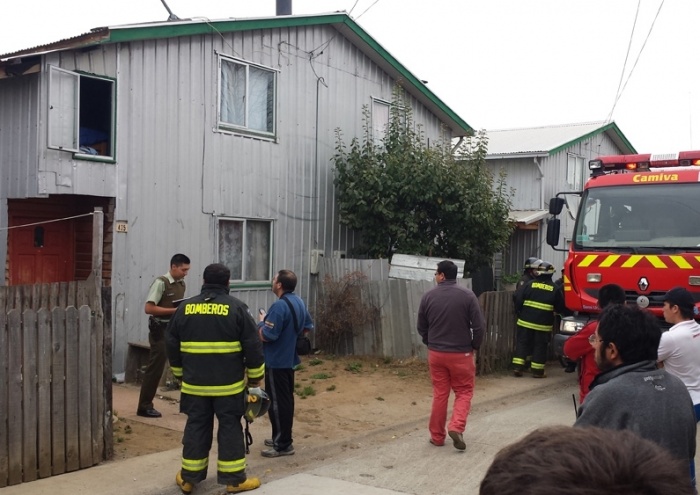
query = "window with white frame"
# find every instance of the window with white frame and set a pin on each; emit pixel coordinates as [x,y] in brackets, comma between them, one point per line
[81,113]
[246,97]
[245,247]
[575,170]
[380,119]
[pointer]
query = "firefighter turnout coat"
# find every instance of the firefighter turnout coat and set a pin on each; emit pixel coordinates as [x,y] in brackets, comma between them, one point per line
[536,302]
[212,342]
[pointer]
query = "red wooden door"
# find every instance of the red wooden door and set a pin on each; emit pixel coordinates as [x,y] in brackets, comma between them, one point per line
[41,253]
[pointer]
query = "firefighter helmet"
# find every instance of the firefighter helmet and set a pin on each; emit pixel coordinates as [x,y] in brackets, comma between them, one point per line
[257,403]
[544,268]
[531,262]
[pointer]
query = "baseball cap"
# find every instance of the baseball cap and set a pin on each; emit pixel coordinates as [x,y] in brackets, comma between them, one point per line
[681,298]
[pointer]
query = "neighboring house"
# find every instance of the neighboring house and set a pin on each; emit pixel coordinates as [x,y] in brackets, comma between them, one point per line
[210,138]
[539,163]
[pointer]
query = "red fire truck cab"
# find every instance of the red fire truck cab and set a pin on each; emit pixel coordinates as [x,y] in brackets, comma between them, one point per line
[638,226]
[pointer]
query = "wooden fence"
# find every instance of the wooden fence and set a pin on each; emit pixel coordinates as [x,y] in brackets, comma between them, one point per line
[393,333]
[55,381]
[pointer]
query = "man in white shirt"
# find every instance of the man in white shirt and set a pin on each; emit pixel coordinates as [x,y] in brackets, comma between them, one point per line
[679,348]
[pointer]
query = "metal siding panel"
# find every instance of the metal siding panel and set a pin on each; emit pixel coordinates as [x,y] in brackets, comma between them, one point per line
[18,139]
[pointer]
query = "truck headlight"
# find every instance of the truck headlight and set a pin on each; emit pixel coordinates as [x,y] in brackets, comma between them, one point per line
[570,327]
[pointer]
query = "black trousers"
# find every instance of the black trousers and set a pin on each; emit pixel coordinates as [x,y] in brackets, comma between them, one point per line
[196,441]
[156,364]
[533,343]
[279,385]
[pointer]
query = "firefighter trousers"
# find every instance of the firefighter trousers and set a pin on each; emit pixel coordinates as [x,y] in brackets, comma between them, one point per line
[529,342]
[197,438]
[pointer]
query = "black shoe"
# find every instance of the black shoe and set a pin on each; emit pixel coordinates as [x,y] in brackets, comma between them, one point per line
[277,453]
[269,443]
[149,413]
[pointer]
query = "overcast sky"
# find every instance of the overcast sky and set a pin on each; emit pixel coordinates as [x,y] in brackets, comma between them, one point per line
[499,64]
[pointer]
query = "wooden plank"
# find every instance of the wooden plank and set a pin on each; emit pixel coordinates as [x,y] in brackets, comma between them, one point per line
[58,395]
[53,296]
[44,297]
[409,267]
[107,373]
[86,390]
[44,389]
[72,391]
[14,375]
[97,402]
[4,398]
[63,295]
[30,403]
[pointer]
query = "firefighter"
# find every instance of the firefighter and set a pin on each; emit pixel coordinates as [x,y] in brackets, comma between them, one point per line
[212,344]
[535,306]
[528,271]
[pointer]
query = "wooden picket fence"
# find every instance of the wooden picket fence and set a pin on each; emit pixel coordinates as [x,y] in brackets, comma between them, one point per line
[393,333]
[55,377]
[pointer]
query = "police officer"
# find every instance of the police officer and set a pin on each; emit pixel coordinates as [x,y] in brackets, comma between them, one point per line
[535,305]
[212,345]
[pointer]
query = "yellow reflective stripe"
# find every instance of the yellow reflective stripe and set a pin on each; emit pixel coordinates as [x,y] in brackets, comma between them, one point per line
[195,464]
[609,260]
[656,261]
[517,360]
[697,258]
[588,260]
[681,262]
[632,260]
[536,305]
[212,390]
[536,366]
[176,371]
[258,372]
[231,466]
[534,326]
[210,347]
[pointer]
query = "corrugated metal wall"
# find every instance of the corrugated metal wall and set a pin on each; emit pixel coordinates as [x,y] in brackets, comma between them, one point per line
[176,175]
[533,192]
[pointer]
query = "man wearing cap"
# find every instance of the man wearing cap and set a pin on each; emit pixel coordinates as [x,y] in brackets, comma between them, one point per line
[680,346]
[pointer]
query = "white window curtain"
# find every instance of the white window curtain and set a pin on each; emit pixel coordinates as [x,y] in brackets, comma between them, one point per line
[245,247]
[233,91]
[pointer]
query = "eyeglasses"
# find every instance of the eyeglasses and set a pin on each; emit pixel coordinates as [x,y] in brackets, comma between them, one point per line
[592,340]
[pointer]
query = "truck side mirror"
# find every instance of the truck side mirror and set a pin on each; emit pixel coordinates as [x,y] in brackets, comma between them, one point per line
[555,206]
[553,226]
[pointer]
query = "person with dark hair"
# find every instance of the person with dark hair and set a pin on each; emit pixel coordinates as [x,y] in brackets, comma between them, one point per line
[680,346]
[631,393]
[576,461]
[535,305]
[214,349]
[159,305]
[279,329]
[451,324]
[578,348]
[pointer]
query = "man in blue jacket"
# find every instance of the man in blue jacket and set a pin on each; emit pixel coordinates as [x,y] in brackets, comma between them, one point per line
[286,320]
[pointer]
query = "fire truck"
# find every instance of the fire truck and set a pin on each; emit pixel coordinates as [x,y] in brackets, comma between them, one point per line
[637,225]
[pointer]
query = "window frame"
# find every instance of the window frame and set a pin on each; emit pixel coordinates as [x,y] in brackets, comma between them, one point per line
[224,126]
[244,283]
[54,99]
[375,130]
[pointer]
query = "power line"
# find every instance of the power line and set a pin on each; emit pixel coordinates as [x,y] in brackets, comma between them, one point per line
[637,60]
[365,11]
[624,66]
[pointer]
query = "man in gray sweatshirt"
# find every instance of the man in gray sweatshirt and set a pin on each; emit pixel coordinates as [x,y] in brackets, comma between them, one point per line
[631,393]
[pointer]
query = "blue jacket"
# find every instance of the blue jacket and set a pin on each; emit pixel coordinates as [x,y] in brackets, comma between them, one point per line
[278,331]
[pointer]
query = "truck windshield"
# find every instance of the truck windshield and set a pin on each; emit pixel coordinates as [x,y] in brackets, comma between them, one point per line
[652,216]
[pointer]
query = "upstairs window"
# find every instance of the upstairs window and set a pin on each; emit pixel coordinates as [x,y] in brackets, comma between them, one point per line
[246,97]
[245,247]
[81,113]
[380,119]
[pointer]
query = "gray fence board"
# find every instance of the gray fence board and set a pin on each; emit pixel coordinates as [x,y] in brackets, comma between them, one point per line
[4,398]
[58,371]
[44,390]
[14,406]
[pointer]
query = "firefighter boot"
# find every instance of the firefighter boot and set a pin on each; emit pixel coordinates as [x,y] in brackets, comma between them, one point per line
[185,486]
[249,484]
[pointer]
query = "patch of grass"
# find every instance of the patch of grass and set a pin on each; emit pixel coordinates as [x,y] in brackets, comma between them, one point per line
[120,439]
[321,376]
[354,367]
[387,360]
[379,398]
[299,367]
[315,362]
[305,392]
[297,385]
[127,429]
[330,389]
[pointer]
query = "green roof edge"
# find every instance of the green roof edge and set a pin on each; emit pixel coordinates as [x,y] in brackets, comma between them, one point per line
[604,128]
[125,34]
